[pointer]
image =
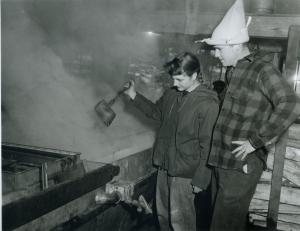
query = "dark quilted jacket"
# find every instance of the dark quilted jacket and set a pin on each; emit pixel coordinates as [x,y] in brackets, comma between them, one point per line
[184,137]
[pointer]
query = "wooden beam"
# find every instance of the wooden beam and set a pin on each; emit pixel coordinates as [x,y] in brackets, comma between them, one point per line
[277,174]
[273,26]
[193,22]
[292,58]
[143,186]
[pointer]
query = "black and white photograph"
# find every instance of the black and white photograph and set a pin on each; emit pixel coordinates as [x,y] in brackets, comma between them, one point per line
[150,115]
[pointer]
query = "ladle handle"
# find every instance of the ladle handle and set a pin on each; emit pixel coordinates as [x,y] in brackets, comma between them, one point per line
[120,92]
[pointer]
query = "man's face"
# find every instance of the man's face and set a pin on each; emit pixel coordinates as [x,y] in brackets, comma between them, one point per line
[227,54]
[182,81]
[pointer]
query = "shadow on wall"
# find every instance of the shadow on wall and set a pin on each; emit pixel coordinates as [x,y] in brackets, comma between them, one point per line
[45,103]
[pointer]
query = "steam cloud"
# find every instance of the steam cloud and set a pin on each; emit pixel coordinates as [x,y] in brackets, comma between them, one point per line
[59,58]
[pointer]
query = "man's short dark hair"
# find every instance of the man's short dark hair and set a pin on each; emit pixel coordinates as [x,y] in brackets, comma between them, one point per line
[186,62]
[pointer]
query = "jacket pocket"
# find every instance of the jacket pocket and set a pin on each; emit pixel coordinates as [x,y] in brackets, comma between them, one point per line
[188,155]
[160,151]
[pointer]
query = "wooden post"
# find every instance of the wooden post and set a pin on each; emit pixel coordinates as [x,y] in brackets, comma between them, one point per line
[292,57]
[276,181]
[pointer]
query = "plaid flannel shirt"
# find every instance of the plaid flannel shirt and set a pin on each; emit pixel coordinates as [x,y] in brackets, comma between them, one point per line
[259,105]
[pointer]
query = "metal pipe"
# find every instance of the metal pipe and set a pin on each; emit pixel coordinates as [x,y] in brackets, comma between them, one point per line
[107,198]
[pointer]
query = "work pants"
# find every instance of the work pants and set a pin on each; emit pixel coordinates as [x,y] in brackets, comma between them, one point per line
[175,203]
[234,190]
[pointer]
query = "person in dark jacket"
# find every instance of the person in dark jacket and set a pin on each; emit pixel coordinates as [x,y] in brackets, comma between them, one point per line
[187,113]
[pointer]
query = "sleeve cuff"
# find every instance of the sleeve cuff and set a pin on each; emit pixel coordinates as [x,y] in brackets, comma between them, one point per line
[202,177]
[138,99]
[256,142]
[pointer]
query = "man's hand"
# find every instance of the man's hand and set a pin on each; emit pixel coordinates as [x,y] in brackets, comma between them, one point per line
[130,89]
[243,149]
[196,189]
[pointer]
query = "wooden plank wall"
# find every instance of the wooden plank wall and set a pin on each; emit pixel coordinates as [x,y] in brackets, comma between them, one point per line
[289,206]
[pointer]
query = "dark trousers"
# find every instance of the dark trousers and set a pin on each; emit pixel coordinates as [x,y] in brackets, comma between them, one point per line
[203,205]
[232,192]
[175,203]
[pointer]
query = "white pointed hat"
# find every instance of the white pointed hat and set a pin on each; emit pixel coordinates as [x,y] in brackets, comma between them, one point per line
[232,29]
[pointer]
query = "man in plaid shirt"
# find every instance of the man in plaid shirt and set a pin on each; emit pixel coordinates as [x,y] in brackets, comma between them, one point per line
[258,107]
